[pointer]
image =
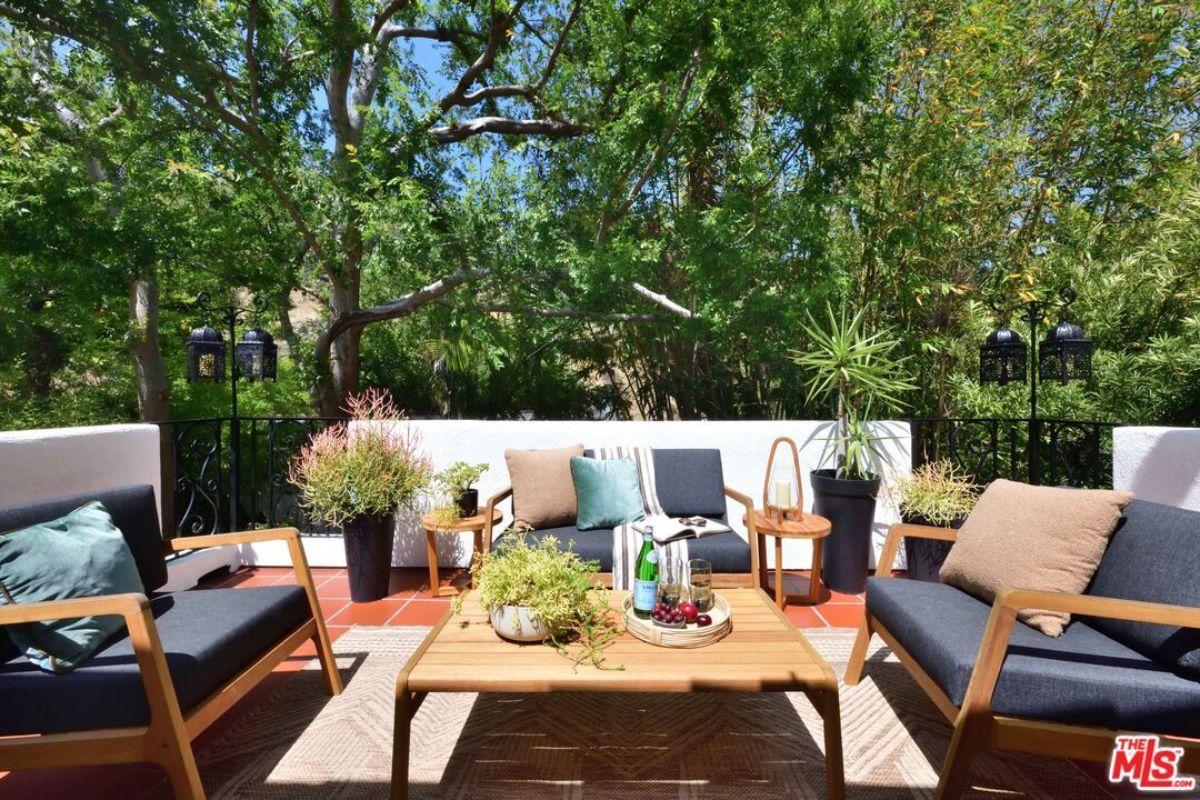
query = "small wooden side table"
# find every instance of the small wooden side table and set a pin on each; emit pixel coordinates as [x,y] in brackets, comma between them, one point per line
[432,528]
[810,526]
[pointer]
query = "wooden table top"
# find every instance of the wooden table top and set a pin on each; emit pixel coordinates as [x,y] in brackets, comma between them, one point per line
[763,652]
[812,526]
[475,523]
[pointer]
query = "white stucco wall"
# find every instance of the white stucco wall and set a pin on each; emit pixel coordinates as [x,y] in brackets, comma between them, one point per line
[1158,464]
[744,447]
[42,464]
[60,462]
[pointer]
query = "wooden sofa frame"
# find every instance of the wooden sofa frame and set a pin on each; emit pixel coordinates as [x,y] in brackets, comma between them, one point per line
[166,740]
[976,726]
[721,580]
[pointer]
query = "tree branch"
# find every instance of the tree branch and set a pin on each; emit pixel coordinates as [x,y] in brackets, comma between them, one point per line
[251,58]
[401,306]
[558,45]
[498,29]
[681,97]
[337,83]
[567,313]
[665,302]
[458,131]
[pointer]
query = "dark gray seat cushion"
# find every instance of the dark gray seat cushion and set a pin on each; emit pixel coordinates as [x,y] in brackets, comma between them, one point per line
[208,637]
[1082,677]
[727,551]
[1153,556]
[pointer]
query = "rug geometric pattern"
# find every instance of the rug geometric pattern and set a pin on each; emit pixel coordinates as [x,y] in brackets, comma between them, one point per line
[301,745]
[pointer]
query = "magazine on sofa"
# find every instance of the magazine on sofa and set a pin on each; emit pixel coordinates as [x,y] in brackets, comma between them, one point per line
[672,529]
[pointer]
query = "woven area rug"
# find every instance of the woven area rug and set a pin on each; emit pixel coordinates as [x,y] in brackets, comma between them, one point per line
[299,744]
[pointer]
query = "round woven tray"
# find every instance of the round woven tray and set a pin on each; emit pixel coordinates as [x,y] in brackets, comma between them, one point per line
[690,636]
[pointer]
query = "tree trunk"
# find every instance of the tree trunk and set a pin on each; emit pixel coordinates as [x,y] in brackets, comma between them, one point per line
[337,362]
[144,344]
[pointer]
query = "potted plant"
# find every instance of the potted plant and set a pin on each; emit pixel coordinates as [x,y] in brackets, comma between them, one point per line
[355,475]
[932,494]
[854,368]
[458,480]
[536,592]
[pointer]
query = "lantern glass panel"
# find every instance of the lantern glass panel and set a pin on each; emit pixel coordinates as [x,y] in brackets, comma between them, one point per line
[206,356]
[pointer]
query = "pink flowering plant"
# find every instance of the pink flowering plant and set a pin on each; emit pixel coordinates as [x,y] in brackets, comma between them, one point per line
[371,464]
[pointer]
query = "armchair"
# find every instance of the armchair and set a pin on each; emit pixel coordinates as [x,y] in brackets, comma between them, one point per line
[184,659]
[1008,687]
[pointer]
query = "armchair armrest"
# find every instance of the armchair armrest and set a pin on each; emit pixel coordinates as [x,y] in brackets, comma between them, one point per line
[130,606]
[489,512]
[898,532]
[744,500]
[241,537]
[1010,601]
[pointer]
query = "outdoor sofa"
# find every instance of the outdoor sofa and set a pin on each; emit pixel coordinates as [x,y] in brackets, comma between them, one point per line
[690,482]
[183,660]
[1115,669]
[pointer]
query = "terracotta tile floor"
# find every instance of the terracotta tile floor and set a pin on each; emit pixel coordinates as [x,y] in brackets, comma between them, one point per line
[410,603]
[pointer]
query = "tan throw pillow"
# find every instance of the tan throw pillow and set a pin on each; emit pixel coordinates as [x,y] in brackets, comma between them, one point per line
[1034,537]
[543,492]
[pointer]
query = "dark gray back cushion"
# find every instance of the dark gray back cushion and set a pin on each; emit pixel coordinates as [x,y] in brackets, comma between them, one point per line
[1153,556]
[690,482]
[133,510]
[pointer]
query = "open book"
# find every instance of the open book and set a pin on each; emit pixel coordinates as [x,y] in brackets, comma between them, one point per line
[672,529]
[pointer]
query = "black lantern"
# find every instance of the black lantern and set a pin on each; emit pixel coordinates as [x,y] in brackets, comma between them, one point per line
[256,355]
[1003,357]
[206,355]
[1065,354]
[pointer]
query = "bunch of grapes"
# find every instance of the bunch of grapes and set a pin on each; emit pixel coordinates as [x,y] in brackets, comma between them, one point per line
[666,615]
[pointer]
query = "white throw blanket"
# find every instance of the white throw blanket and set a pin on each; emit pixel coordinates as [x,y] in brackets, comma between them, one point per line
[627,542]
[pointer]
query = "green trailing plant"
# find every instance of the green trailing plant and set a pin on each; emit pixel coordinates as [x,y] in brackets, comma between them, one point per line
[855,368]
[460,476]
[560,591]
[935,492]
[371,464]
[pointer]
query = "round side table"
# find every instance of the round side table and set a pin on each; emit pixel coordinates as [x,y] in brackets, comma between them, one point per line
[810,526]
[432,528]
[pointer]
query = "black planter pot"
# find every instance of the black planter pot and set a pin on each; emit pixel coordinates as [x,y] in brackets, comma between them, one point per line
[849,505]
[468,503]
[926,556]
[368,541]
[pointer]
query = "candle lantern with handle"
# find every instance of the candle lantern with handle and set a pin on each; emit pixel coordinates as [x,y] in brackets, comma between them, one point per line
[783,494]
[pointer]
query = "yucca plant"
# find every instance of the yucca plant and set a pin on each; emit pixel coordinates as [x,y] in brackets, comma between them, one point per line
[856,369]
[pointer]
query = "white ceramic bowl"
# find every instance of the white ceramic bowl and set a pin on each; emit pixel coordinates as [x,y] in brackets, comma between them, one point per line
[516,624]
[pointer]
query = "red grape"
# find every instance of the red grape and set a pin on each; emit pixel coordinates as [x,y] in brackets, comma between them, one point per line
[703,620]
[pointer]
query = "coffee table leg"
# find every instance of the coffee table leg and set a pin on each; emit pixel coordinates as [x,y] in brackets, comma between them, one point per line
[400,740]
[826,703]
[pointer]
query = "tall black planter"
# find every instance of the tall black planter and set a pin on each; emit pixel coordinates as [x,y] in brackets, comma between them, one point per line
[925,557]
[849,505]
[368,541]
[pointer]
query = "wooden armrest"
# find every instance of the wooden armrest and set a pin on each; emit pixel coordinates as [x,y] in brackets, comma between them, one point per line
[492,502]
[743,499]
[1108,607]
[241,537]
[901,530]
[117,605]
[1010,601]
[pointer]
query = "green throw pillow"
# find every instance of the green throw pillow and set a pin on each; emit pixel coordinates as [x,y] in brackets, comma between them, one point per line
[608,492]
[80,555]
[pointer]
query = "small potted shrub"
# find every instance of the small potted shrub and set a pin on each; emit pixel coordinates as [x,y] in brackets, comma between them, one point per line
[933,494]
[534,592]
[355,475]
[458,480]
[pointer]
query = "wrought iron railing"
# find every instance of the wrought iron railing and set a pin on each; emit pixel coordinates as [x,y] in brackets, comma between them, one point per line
[1067,452]
[1056,452]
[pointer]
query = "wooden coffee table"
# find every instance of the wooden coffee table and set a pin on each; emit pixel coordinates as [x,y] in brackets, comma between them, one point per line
[763,653]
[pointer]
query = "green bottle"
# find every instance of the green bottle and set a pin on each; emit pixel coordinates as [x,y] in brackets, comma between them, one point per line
[645,577]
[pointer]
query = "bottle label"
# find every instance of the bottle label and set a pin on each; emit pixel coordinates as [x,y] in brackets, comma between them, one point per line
[645,595]
[652,556]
